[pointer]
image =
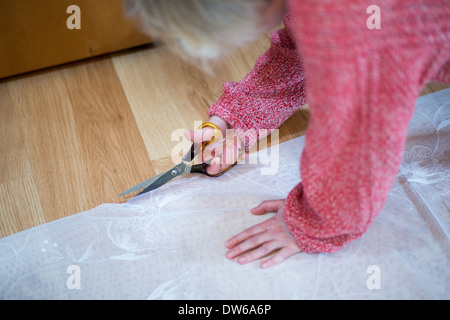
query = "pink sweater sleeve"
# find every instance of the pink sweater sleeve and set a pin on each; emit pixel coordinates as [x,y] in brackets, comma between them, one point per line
[362,85]
[269,94]
[353,148]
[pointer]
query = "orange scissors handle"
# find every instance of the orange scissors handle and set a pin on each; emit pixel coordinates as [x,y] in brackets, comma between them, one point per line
[217,135]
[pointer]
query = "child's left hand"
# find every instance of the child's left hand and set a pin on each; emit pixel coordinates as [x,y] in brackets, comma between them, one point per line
[264,238]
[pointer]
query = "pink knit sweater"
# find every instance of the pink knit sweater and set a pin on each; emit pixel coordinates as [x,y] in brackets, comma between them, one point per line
[361,86]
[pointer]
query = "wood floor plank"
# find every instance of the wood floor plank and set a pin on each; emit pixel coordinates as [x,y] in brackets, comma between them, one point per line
[79,135]
[13,162]
[110,142]
[20,206]
[433,87]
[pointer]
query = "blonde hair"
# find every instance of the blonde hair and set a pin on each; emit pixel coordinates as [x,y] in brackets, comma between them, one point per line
[204,29]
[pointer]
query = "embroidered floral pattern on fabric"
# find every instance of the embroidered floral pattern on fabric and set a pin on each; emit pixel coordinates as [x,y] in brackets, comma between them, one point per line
[428,161]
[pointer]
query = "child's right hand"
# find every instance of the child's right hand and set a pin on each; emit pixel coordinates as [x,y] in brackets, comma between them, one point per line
[224,152]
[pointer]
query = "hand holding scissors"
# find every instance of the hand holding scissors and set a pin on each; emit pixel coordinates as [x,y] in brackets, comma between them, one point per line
[210,151]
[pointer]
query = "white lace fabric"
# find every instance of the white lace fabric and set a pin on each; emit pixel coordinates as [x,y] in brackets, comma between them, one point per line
[169,243]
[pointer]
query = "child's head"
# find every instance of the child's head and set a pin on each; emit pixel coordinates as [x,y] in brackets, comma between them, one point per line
[206,29]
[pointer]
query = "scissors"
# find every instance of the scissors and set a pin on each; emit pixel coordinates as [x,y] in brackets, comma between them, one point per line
[185,166]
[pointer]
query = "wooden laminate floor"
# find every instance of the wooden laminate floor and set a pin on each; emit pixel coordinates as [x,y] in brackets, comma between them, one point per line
[74,137]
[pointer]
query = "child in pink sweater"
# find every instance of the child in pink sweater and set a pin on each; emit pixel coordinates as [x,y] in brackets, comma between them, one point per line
[360,84]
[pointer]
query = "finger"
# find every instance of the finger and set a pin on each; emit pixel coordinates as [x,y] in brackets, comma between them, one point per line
[200,135]
[249,244]
[267,206]
[219,165]
[244,235]
[258,253]
[280,256]
[205,134]
[230,152]
[212,150]
[189,134]
[215,166]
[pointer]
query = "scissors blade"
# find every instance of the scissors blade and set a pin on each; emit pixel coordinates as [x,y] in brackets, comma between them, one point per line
[142,185]
[176,171]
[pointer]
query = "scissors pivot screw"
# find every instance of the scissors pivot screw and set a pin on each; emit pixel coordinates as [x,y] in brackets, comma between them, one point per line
[173,172]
